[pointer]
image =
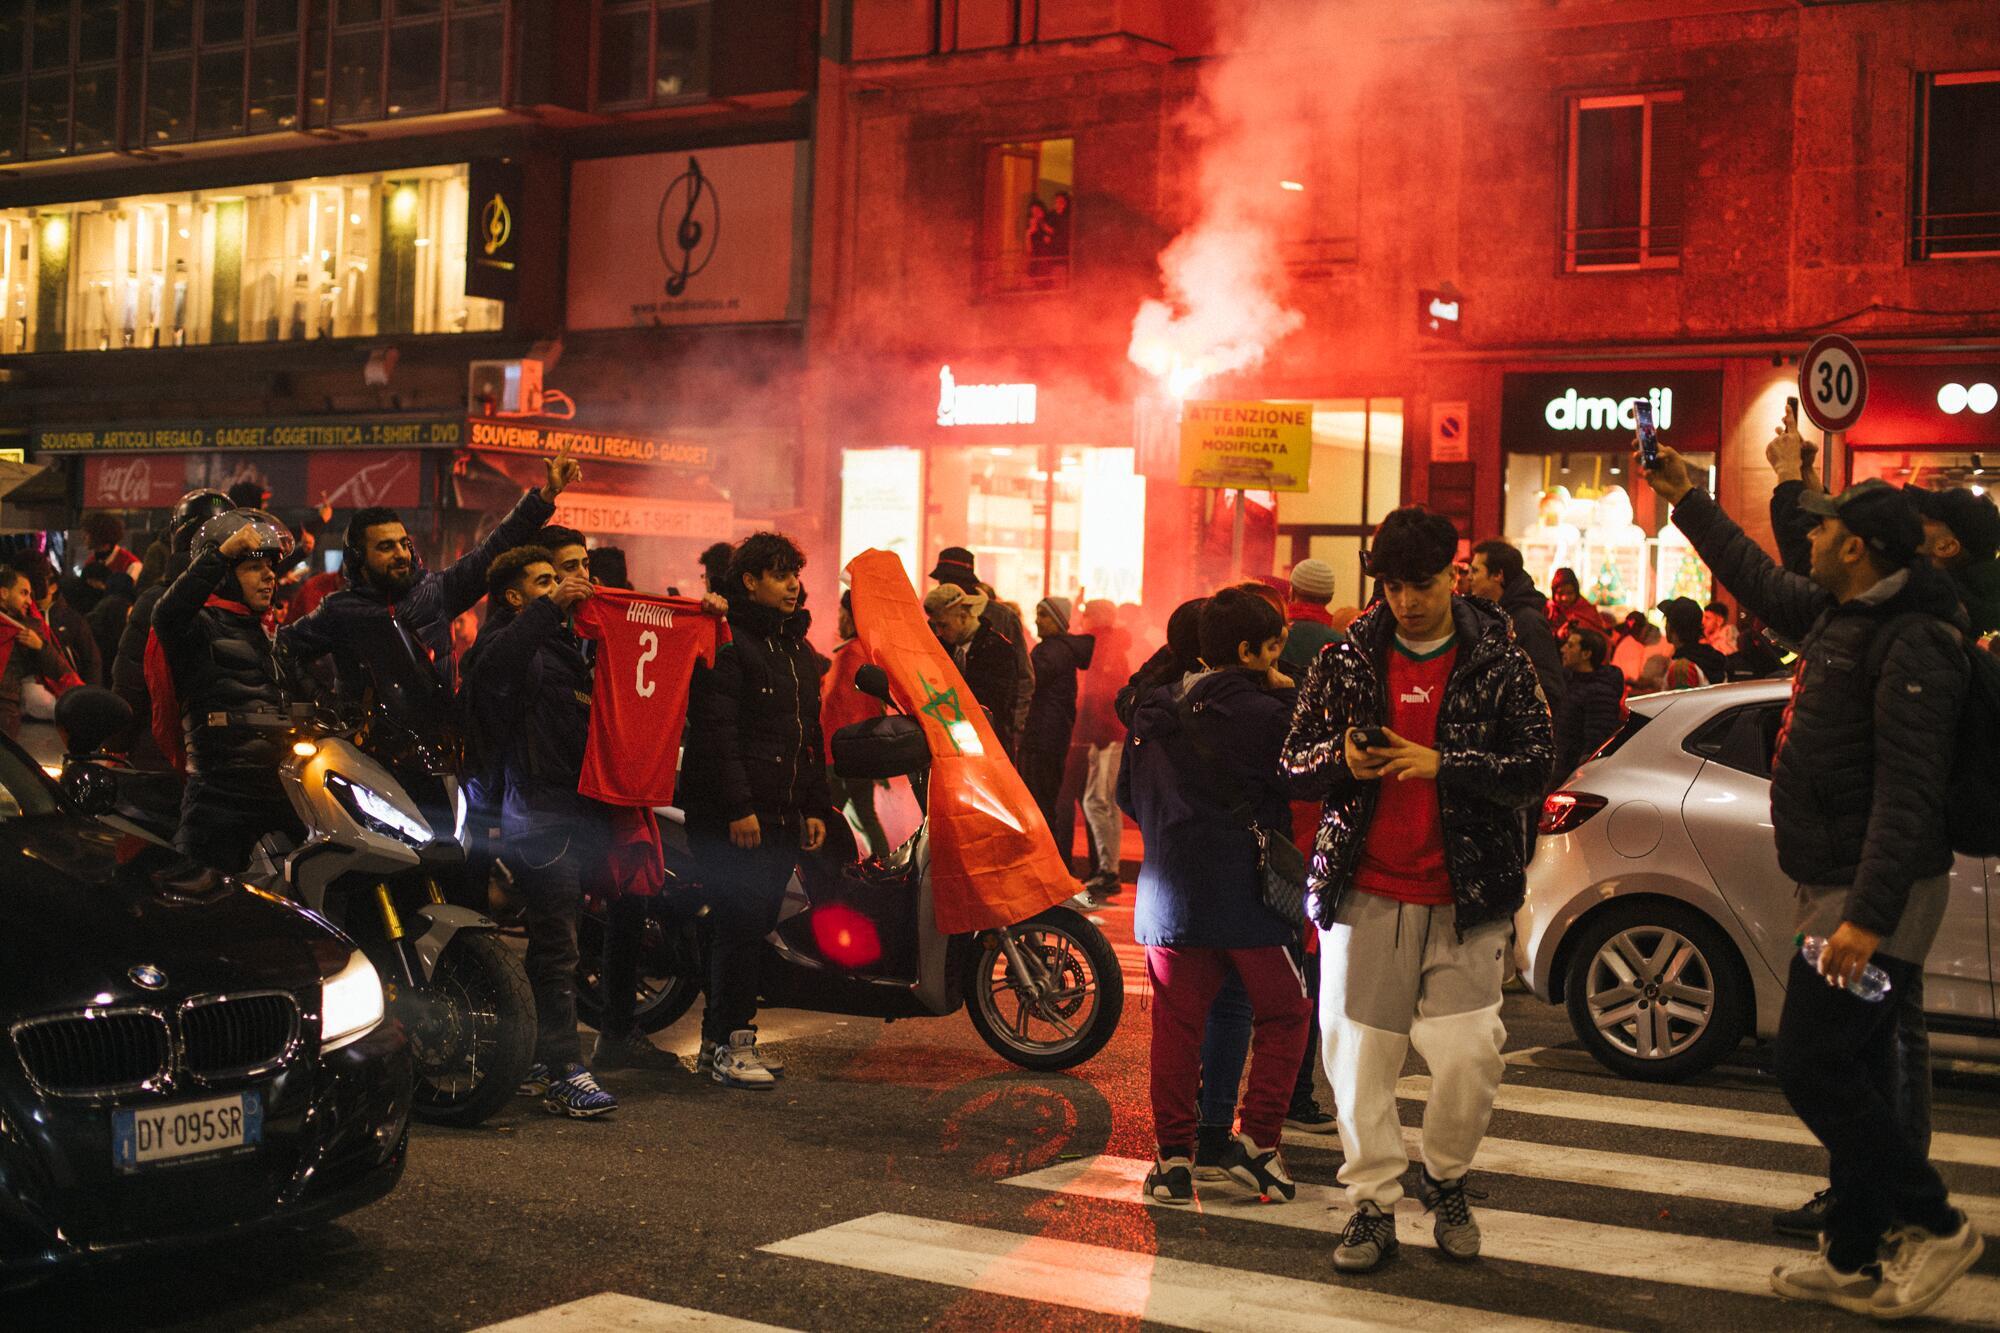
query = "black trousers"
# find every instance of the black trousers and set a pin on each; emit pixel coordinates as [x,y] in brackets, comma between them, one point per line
[548,875]
[745,891]
[624,931]
[1042,771]
[221,828]
[1913,1063]
[1837,1061]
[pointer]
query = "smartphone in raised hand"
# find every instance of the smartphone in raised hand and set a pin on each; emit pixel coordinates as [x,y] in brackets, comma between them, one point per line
[1649,439]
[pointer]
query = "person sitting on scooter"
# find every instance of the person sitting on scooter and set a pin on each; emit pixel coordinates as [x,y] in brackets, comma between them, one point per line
[753,785]
[526,697]
[214,627]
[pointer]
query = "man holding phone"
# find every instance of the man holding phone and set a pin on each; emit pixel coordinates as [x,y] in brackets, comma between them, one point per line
[1431,732]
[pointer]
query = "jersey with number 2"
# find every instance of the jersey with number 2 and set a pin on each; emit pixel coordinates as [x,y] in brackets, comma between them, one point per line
[646,651]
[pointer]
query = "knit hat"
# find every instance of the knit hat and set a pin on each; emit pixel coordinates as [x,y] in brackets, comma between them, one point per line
[1058,609]
[1314,579]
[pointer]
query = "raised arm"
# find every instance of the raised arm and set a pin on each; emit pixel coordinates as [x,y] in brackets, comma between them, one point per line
[174,613]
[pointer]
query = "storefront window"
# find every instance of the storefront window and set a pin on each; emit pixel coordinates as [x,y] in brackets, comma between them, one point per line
[329,257]
[1357,478]
[1933,469]
[1586,512]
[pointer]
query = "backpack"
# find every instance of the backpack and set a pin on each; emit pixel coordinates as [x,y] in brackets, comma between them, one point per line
[1972,799]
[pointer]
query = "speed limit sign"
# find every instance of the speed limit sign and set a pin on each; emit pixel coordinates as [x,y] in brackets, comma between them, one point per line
[1833,383]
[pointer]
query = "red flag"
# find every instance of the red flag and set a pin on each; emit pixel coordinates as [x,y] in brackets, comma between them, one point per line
[993,862]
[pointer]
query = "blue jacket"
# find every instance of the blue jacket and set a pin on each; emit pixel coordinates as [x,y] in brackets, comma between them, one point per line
[1199,882]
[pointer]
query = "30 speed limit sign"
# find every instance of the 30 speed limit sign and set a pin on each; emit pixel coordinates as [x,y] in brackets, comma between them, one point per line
[1833,383]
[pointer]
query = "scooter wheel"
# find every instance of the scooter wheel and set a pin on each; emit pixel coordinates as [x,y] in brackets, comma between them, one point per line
[472,1031]
[1082,999]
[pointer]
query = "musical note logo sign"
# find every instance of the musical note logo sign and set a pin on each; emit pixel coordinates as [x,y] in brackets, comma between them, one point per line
[689,224]
[497,223]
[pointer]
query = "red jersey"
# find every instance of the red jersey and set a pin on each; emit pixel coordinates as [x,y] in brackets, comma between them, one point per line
[646,651]
[1403,856]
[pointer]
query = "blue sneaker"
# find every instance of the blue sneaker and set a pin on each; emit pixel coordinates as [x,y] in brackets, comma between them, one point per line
[538,1082]
[577,1095]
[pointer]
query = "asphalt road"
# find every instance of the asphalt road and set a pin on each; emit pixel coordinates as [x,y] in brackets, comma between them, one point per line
[902,1176]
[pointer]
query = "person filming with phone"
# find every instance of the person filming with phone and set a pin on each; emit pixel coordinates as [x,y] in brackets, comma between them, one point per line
[1859,790]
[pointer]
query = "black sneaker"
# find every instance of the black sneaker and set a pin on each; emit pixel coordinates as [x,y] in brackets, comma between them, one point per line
[1307,1118]
[1211,1143]
[1103,885]
[632,1051]
[1807,1220]
[1171,1181]
[1258,1169]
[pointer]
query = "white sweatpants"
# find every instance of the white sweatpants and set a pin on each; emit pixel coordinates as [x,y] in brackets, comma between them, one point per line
[1393,975]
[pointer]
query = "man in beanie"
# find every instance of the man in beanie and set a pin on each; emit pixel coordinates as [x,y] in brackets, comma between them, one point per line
[954,568]
[1417,870]
[1058,657]
[984,658]
[1308,623]
[1961,534]
[1858,792]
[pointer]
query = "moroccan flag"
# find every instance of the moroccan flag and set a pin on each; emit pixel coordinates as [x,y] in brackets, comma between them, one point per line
[993,862]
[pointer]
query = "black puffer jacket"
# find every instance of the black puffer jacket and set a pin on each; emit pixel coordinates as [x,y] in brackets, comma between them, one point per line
[1493,733]
[753,737]
[128,674]
[1052,712]
[1590,710]
[1529,610]
[1844,809]
[223,661]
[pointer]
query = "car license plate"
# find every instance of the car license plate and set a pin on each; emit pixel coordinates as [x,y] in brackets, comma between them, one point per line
[145,1136]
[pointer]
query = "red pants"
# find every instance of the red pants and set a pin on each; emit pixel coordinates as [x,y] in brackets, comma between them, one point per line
[1185,982]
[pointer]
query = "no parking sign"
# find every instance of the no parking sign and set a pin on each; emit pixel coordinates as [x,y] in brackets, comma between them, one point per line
[1833,383]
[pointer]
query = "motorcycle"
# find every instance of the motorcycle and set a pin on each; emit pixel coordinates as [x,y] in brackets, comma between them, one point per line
[371,864]
[862,938]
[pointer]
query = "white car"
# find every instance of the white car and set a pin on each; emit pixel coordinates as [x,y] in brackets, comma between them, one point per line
[1656,910]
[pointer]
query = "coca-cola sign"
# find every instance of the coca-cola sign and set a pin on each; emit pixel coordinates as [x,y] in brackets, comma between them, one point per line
[143,481]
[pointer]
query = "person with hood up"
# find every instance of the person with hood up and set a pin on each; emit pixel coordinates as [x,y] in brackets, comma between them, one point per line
[1200,773]
[1568,606]
[1058,658]
[1593,703]
[1417,870]
[1498,573]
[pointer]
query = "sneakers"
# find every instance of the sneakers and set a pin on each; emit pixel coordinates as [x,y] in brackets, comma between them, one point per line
[1082,902]
[1920,1267]
[1171,1181]
[538,1082]
[1307,1118]
[1104,884]
[1370,1238]
[1210,1143]
[737,1066]
[1815,1279]
[1457,1234]
[577,1096]
[1807,1220]
[766,1056]
[631,1051]
[1258,1169]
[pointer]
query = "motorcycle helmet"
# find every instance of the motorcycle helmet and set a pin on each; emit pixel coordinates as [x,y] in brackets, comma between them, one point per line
[191,511]
[274,539]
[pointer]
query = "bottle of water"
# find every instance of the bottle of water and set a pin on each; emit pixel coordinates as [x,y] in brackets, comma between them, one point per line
[1872,983]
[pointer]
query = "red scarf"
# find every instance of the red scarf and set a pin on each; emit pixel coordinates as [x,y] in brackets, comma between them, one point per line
[33,619]
[165,698]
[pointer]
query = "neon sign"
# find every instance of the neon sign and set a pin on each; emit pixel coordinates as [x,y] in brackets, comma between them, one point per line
[1569,412]
[983,404]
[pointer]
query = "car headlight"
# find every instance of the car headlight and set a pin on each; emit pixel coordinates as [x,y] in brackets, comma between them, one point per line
[377,811]
[350,1003]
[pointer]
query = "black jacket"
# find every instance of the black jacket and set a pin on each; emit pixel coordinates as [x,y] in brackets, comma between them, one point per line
[339,625]
[1157,670]
[224,662]
[1588,714]
[1845,810]
[754,745]
[79,645]
[1494,736]
[1052,712]
[525,696]
[128,675]
[986,660]
[1529,610]
[1714,666]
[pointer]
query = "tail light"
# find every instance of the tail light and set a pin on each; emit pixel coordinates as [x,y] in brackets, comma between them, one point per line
[1564,810]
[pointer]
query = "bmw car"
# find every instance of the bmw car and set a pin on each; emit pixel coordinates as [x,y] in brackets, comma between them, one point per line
[1656,911]
[184,1059]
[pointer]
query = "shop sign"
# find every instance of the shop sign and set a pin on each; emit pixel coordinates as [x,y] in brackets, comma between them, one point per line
[983,404]
[308,433]
[493,230]
[713,236]
[516,437]
[1932,406]
[699,520]
[345,480]
[1439,314]
[1254,445]
[1581,412]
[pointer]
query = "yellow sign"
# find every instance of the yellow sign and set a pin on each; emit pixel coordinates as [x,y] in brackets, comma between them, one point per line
[498,223]
[13,455]
[1252,446]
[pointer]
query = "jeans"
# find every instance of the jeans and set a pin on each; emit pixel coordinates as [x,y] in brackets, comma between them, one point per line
[1225,1045]
[1837,1063]
[221,829]
[1185,984]
[547,874]
[745,888]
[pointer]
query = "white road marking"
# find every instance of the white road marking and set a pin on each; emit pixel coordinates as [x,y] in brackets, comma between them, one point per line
[1591,1247]
[1121,1283]
[609,1312]
[1763,1126]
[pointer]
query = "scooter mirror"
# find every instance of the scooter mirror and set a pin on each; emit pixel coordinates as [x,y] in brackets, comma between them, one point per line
[873,681]
[90,789]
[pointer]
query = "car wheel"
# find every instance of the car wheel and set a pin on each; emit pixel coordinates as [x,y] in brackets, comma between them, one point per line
[1656,991]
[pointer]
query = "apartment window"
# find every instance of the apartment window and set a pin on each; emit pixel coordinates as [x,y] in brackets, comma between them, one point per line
[286,261]
[1956,212]
[392,58]
[651,52]
[1027,223]
[1623,207]
[58,77]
